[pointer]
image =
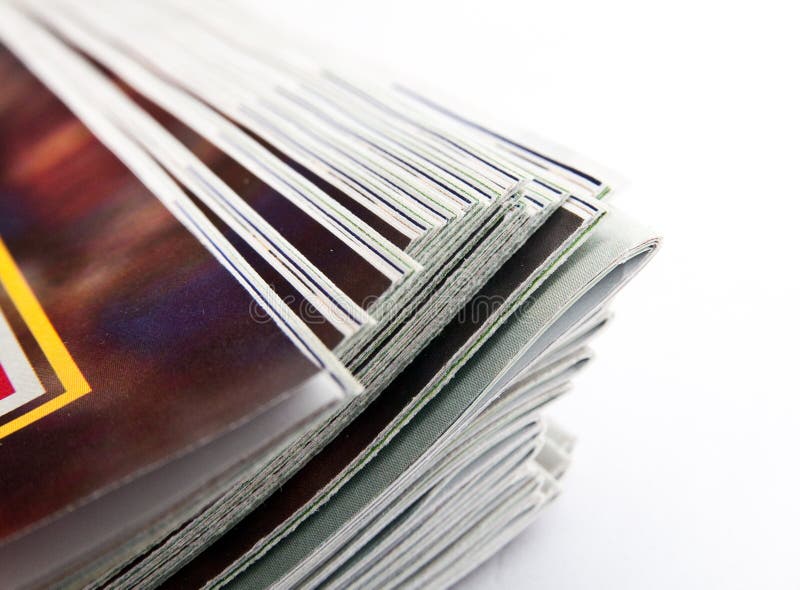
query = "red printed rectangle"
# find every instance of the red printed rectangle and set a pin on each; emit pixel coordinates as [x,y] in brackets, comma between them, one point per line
[6,388]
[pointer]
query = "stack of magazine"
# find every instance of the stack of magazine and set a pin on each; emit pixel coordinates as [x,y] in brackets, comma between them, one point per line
[267,321]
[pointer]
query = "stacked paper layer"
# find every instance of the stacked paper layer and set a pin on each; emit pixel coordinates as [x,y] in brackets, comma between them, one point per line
[318,316]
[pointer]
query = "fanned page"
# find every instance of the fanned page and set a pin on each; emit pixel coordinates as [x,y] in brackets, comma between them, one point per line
[268,320]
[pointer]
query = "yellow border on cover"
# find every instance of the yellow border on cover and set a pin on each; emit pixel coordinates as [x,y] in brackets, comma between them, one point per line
[75,385]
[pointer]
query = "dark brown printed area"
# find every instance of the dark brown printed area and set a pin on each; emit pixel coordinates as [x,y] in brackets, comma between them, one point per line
[160,330]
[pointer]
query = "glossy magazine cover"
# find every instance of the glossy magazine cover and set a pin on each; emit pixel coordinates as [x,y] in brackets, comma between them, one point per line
[123,342]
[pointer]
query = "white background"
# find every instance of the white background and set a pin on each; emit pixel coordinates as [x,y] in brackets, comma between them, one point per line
[687,472]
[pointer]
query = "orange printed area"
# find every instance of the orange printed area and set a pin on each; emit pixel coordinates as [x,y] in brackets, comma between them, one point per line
[48,339]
